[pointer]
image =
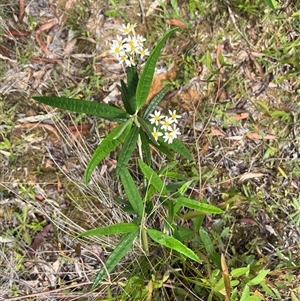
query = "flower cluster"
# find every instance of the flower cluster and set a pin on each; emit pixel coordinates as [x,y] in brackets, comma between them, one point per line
[128,47]
[167,124]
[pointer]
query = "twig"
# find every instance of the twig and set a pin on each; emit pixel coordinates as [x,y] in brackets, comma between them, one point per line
[142,11]
[48,292]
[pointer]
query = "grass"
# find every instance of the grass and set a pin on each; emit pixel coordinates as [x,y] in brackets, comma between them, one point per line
[254,179]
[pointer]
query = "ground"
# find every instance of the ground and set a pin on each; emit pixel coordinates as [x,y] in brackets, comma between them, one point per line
[233,70]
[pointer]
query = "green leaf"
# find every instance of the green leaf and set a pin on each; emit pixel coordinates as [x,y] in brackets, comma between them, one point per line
[108,144]
[278,114]
[127,148]
[83,106]
[112,229]
[155,101]
[178,147]
[246,293]
[259,278]
[294,297]
[273,4]
[145,147]
[153,178]
[172,243]
[146,129]
[196,205]
[115,257]
[132,82]
[163,147]
[131,190]
[206,241]
[146,77]
[240,271]
[125,97]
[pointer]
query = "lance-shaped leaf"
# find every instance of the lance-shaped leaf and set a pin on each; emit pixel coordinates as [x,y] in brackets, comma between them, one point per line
[153,178]
[145,147]
[163,147]
[83,106]
[155,101]
[111,229]
[115,257]
[145,127]
[131,190]
[178,147]
[132,82]
[125,97]
[146,77]
[196,205]
[127,148]
[172,243]
[108,144]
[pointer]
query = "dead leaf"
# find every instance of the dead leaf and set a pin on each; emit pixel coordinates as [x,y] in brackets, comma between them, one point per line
[69,4]
[21,11]
[17,33]
[216,132]
[251,175]
[80,128]
[235,138]
[4,52]
[38,34]
[205,148]
[44,60]
[258,136]
[153,7]
[38,75]
[69,48]
[176,22]
[218,52]
[158,80]
[241,116]
[45,126]
[39,239]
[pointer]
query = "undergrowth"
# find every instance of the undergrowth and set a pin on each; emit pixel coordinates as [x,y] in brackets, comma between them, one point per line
[240,109]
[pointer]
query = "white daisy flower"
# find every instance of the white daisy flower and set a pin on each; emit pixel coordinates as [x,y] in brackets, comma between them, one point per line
[156,117]
[174,116]
[166,124]
[119,41]
[175,132]
[156,134]
[143,52]
[123,57]
[168,137]
[140,40]
[131,45]
[127,29]
[130,62]
[116,49]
